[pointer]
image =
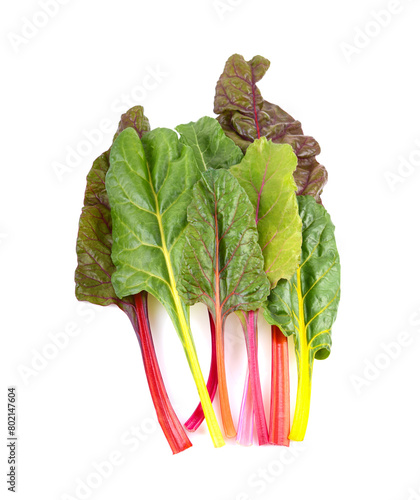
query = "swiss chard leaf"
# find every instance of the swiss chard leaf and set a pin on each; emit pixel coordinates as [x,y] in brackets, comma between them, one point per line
[95,267]
[223,266]
[246,116]
[149,185]
[135,119]
[93,279]
[212,150]
[149,195]
[266,174]
[94,239]
[306,306]
[211,147]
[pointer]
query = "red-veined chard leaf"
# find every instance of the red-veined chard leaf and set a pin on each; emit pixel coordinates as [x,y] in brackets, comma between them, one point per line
[266,174]
[149,185]
[212,149]
[246,116]
[134,118]
[223,264]
[306,306]
[94,239]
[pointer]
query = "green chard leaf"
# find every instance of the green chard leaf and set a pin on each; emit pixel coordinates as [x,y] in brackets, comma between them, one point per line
[211,147]
[306,306]
[94,239]
[149,184]
[93,279]
[213,150]
[223,266]
[266,174]
[245,116]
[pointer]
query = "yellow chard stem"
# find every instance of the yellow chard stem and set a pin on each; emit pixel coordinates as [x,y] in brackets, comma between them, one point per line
[197,374]
[303,398]
[189,347]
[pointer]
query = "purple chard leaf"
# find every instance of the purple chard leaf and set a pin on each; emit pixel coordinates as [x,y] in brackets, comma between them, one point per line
[245,116]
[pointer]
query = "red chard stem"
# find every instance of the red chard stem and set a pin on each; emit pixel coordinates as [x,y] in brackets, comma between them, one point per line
[171,426]
[280,389]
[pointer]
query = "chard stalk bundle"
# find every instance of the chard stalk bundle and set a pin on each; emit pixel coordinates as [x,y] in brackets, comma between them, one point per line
[226,212]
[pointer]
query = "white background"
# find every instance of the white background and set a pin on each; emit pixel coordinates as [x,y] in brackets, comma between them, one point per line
[76,409]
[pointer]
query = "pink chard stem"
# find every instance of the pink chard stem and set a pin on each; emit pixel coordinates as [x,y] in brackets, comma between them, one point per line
[246,416]
[250,332]
[197,418]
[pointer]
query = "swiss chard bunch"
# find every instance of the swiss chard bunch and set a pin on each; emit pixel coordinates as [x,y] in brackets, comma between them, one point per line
[246,117]
[225,212]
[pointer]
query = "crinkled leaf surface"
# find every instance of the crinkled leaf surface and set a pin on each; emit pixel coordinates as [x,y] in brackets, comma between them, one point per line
[266,174]
[223,265]
[306,306]
[94,239]
[246,116]
[149,186]
[135,119]
[212,149]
